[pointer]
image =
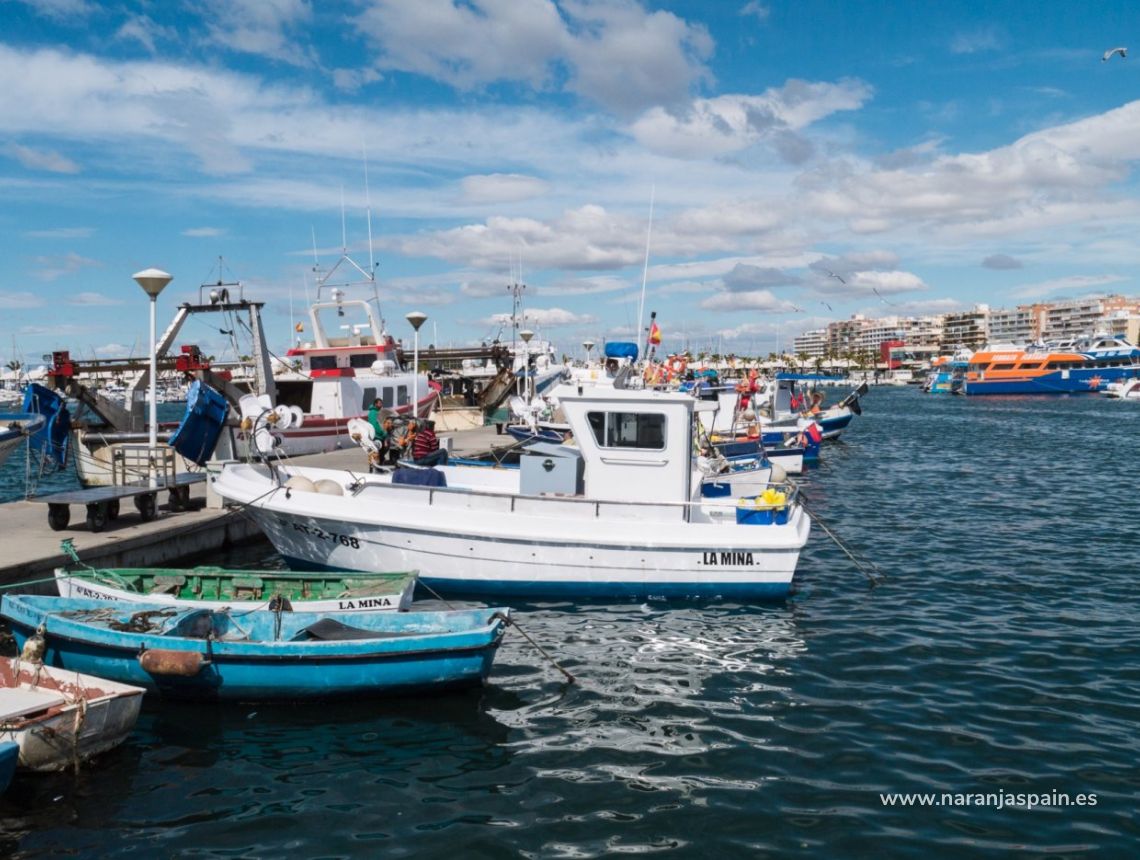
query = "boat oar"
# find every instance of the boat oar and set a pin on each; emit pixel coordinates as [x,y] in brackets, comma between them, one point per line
[868,568]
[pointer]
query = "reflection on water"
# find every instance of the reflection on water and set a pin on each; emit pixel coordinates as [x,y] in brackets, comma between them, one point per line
[998,655]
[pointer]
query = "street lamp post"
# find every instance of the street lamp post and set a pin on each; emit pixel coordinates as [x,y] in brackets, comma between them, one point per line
[587,345]
[417,319]
[153,281]
[526,334]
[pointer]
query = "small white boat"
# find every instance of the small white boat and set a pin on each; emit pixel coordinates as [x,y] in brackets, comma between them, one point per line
[1125,389]
[59,718]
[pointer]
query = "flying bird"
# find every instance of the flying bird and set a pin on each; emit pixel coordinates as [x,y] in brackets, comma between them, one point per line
[880,295]
[833,275]
[826,305]
[1108,54]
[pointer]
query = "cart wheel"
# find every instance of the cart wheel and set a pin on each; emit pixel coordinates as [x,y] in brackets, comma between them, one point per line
[147,506]
[113,509]
[176,499]
[58,517]
[97,516]
[184,495]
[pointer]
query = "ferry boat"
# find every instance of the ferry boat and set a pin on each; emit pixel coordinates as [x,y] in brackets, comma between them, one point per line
[1082,367]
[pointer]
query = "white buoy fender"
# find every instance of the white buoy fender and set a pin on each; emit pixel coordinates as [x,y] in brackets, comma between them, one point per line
[298,416]
[329,487]
[301,483]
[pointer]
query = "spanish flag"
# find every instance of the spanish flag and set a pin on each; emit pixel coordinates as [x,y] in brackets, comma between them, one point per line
[654,334]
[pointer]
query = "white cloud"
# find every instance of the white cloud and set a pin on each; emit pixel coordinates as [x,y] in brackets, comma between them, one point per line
[501,188]
[1071,284]
[886,282]
[93,299]
[203,232]
[64,11]
[1001,261]
[752,300]
[986,39]
[728,123]
[51,268]
[584,286]
[60,233]
[260,27]
[615,53]
[113,349]
[147,33]
[19,301]
[39,159]
[756,9]
[545,317]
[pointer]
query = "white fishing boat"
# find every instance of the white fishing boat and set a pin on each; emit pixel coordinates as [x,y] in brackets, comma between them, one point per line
[624,512]
[59,717]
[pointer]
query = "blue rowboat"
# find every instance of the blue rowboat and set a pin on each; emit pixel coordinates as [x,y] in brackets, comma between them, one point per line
[9,755]
[259,654]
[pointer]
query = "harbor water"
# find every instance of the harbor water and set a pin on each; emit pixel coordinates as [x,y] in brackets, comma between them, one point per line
[993,677]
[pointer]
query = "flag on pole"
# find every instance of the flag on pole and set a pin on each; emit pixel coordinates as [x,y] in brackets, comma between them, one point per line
[654,334]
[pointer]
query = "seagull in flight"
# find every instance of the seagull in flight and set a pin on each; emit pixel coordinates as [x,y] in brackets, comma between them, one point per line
[833,275]
[1108,54]
[883,300]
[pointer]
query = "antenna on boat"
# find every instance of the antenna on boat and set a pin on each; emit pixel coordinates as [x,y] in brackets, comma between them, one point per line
[368,210]
[645,269]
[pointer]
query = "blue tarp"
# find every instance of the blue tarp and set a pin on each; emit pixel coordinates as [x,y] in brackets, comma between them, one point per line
[52,439]
[420,477]
[621,349]
[197,435]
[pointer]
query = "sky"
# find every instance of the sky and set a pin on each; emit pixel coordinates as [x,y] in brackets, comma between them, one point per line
[753,168]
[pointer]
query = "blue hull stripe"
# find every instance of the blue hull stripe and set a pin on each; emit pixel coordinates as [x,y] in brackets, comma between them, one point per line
[640,590]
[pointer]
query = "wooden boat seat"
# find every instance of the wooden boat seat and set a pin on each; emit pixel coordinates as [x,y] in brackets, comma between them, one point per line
[23,700]
[246,583]
[331,630]
[167,584]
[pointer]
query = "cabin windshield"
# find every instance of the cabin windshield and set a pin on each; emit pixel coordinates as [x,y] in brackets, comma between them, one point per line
[628,430]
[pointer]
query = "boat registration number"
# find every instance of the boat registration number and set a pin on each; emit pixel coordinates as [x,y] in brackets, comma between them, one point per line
[321,534]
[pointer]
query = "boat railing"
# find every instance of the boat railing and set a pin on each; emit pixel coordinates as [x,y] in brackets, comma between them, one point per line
[714,509]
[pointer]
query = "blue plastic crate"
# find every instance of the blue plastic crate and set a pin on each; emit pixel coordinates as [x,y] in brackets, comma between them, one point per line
[716,490]
[762,516]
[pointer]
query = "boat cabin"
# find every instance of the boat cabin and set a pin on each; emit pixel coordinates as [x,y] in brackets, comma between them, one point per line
[636,445]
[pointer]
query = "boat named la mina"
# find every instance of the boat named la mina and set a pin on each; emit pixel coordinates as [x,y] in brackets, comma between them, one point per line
[624,512]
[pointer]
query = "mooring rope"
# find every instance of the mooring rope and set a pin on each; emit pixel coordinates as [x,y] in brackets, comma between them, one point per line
[510,622]
[866,567]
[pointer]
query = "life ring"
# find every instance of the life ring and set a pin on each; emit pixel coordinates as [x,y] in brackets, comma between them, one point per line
[676,365]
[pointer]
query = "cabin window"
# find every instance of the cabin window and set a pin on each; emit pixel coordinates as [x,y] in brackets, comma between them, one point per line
[361,360]
[386,398]
[369,396]
[628,430]
[1002,367]
[322,362]
[402,398]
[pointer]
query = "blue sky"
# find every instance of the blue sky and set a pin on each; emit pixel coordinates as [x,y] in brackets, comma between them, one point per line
[931,155]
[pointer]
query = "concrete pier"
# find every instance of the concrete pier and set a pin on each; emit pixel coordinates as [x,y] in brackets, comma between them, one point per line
[29,549]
